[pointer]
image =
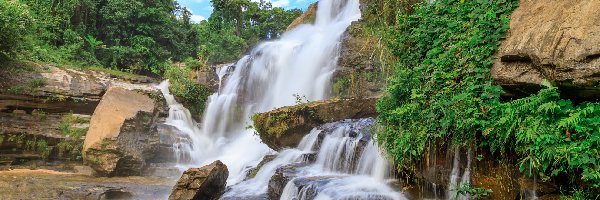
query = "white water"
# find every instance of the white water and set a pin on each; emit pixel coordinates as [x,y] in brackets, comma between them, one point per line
[355,167]
[300,63]
[456,180]
[358,169]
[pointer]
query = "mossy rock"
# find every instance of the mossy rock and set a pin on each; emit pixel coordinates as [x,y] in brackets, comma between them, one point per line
[286,126]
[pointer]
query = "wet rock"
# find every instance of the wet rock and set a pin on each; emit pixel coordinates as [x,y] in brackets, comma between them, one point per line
[46,184]
[168,170]
[207,78]
[359,73]
[493,172]
[40,136]
[169,135]
[116,194]
[252,172]
[308,187]
[285,127]
[207,182]
[123,132]
[44,109]
[553,40]
[282,176]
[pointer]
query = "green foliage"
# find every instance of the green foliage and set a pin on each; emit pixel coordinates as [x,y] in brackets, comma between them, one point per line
[14,27]
[552,135]
[442,93]
[442,86]
[341,86]
[186,90]
[236,25]
[196,65]
[470,190]
[579,194]
[70,149]
[29,87]
[68,121]
[136,36]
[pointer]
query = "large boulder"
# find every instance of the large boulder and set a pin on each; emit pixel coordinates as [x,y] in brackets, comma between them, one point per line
[556,40]
[285,127]
[206,183]
[123,131]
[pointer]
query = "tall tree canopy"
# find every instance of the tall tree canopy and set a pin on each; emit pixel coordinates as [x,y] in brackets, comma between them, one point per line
[236,25]
[140,36]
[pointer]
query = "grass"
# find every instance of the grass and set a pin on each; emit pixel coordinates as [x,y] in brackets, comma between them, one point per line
[66,126]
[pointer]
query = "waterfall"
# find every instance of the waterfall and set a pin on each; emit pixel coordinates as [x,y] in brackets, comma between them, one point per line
[301,62]
[456,181]
[339,162]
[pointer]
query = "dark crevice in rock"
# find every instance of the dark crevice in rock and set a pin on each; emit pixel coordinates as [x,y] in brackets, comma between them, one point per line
[592,57]
[116,194]
[515,58]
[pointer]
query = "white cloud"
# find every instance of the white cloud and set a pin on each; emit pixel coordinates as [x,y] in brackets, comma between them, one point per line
[197,18]
[280,3]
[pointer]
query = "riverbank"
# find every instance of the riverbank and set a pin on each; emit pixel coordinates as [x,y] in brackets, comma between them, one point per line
[50,184]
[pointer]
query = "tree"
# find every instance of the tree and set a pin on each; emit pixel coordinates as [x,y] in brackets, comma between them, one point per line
[236,25]
[14,27]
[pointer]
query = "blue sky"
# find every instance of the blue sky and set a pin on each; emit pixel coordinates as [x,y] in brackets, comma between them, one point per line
[201,9]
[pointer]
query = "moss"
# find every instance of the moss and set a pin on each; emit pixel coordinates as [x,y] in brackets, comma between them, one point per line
[29,87]
[104,143]
[68,121]
[40,114]
[341,86]
[188,92]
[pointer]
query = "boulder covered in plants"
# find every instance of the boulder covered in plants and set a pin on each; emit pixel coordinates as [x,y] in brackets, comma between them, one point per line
[285,127]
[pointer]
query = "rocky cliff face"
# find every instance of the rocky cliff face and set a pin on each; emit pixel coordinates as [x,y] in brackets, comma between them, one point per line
[45,110]
[552,40]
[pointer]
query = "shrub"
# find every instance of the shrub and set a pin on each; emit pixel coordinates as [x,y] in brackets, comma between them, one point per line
[442,93]
[186,90]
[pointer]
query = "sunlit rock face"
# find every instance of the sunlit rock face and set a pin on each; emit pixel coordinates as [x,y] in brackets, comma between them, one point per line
[552,40]
[123,133]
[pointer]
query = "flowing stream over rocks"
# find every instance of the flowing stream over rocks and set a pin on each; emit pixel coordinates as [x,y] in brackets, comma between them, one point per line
[338,160]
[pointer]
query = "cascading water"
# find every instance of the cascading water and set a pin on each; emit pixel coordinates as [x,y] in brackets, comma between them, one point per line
[456,181]
[300,63]
[348,165]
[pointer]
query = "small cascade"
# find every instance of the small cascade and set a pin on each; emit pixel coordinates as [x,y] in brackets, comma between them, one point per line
[348,166]
[456,180]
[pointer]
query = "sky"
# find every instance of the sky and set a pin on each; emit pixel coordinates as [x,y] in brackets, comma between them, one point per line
[201,9]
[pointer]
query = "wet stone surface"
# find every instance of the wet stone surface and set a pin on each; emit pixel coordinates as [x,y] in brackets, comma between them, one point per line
[45,184]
